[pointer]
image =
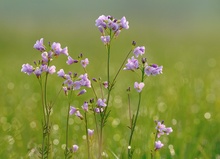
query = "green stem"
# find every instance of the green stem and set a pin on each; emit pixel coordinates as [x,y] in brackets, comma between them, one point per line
[107,102]
[67,125]
[87,136]
[135,119]
[47,115]
[67,132]
[121,67]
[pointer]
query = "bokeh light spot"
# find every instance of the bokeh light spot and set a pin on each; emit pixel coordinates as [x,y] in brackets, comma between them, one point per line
[207,115]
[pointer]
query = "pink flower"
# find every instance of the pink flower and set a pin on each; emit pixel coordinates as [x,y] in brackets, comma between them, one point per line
[158,145]
[139,86]
[51,69]
[27,68]
[153,70]
[81,92]
[132,64]
[61,73]
[101,102]
[75,148]
[70,61]
[78,114]
[90,132]
[72,110]
[140,50]
[105,39]
[85,106]
[39,45]
[85,62]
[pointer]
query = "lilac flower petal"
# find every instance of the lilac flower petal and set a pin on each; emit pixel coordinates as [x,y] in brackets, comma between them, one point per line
[132,64]
[61,73]
[72,110]
[139,86]
[27,68]
[101,102]
[90,132]
[158,145]
[52,69]
[39,45]
[140,50]
[75,148]
[105,39]
[85,62]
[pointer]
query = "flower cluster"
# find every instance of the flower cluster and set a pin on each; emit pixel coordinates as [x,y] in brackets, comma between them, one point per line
[74,82]
[43,65]
[161,130]
[110,27]
[134,64]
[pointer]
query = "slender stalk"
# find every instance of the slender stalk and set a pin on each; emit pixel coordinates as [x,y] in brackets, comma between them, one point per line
[67,132]
[135,119]
[133,126]
[47,116]
[107,102]
[87,136]
[42,99]
[67,125]
[44,115]
[121,67]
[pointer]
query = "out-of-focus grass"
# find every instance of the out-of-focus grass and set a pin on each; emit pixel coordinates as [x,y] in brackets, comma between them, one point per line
[186,96]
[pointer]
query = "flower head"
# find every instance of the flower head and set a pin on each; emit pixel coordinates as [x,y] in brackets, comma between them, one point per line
[70,60]
[132,64]
[39,45]
[139,86]
[85,81]
[27,68]
[158,145]
[85,62]
[153,70]
[124,23]
[85,106]
[56,47]
[78,114]
[72,110]
[105,39]
[81,92]
[65,51]
[51,69]
[101,102]
[162,129]
[140,50]
[61,73]
[90,132]
[75,148]
[105,84]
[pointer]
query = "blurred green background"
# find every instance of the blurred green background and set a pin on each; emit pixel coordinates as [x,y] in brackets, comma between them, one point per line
[183,36]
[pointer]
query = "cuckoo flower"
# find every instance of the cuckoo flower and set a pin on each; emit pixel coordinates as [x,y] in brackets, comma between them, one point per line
[139,86]
[85,62]
[101,102]
[27,68]
[105,39]
[132,64]
[153,70]
[140,50]
[158,145]
[39,45]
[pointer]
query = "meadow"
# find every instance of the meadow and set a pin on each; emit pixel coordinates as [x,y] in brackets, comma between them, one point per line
[186,96]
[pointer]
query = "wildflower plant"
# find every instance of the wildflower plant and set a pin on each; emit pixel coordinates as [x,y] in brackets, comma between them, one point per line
[76,84]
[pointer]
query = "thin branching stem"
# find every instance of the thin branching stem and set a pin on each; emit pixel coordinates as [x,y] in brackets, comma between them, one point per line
[135,120]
